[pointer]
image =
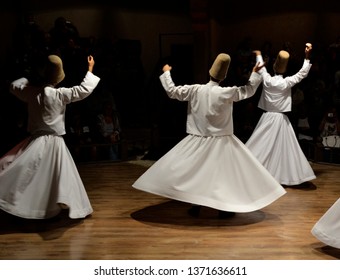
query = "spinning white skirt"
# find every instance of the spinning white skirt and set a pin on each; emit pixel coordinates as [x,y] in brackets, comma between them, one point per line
[37,176]
[327,229]
[274,144]
[217,172]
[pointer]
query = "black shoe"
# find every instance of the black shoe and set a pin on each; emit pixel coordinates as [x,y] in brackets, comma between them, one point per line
[225,214]
[194,211]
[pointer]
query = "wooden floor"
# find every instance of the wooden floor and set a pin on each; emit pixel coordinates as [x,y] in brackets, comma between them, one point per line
[128,224]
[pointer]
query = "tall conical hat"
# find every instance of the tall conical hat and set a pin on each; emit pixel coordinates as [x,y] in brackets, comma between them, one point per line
[281,62]
[54,72]
[220,67]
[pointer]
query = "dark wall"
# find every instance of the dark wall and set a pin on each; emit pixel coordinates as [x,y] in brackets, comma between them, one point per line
[195,30]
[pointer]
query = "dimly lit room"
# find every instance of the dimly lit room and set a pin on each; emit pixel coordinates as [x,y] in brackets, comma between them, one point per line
[140,59]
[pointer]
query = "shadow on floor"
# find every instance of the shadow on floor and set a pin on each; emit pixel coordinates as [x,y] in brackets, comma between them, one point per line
[176,213]
[331,251]
[48,229]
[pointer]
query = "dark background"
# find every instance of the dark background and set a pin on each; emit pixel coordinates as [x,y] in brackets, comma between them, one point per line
[132,39]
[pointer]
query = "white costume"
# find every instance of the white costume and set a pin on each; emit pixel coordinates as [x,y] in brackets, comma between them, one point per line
[327,229]
[273,141]
[39,174]
[210,166]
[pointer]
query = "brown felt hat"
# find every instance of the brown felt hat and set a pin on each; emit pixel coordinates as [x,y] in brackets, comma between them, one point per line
[54,72]
[220,67]
[281,62]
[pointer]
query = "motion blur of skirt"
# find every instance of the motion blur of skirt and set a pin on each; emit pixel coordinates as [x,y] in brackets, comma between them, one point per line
[217,172]
[274,144]
[327,229]
[39,175]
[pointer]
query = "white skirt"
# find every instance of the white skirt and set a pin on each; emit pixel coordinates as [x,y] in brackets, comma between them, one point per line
[327,229]
[274,144]
[217,172]
[39,175]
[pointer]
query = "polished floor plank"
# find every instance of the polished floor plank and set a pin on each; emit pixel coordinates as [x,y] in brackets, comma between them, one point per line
[130,224]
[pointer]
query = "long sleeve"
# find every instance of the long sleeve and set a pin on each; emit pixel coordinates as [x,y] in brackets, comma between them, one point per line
[181,93]
[248,90]
[20,88]
[210,106]
[276,93]
[235,93]
[259,59]
[47,105]
[303,72]
[81,91]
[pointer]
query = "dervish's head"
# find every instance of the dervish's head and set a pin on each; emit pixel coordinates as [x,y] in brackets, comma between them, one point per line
[54,72]
[281,62]
[219,69]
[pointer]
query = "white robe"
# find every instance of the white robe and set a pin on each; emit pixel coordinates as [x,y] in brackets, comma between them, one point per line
[327,229]
[210,166]
[39,175]
[273,141]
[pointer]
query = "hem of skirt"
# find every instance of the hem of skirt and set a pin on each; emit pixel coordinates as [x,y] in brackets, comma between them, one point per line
[37,215]
[80,214]
[75,213]
[40,215]
[219,205]
[324,238]
[300,181]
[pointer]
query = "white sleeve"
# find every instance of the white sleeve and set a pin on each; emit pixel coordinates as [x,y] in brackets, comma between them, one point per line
[81,91]
[181,93]
[19,88]
[263,70]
